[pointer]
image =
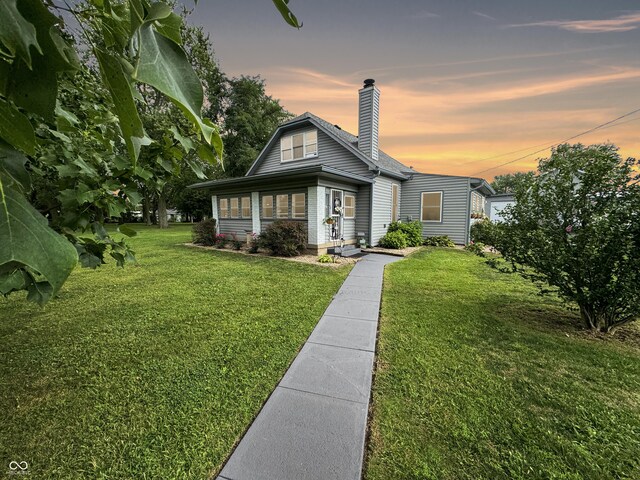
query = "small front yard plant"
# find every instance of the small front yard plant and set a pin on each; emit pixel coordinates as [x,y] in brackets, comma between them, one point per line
[484,231]
[325,258]
[394,240]
[438,241]
[411,230]
[204,232]
[284,238]
[476,248]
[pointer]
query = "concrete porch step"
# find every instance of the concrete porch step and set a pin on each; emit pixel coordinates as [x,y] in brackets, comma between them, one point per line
[346,251]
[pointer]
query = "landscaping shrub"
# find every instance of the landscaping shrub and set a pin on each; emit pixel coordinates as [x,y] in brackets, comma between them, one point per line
[394,240]
[221,240]
[284,238]
[411,230]
[484,231]
[438,241]
[237,244]
[476,247]
[204,232]
[325,258]
[254,245]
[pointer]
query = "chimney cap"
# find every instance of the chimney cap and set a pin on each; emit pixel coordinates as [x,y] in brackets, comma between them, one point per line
[369,82]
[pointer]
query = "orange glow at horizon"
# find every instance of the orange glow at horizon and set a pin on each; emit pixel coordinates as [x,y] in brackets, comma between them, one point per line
[452,125]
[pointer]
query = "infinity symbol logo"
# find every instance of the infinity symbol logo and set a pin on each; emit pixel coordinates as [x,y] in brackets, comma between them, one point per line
[13,465]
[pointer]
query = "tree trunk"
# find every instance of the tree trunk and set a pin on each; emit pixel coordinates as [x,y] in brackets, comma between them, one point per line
[163,221]
[146,210]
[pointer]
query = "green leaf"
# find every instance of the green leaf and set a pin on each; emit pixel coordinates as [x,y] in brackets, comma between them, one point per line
[164,65]
[290,18]
[13,280]
[28,243]
[186,142]
[128,231]
[16,33]
[16,129]
[171,27]
[12,164]
[158,11]
[120,89]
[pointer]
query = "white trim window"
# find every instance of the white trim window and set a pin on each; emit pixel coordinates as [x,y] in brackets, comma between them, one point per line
[394,202]
[299,146]
[431,207]
[267,206]
[282,206]
[477,203]
[224,208]
[245,203]
[235,208]
[298,205]
[349,206]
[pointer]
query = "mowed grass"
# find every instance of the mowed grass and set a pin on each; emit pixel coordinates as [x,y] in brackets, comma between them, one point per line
[154,370]
[480,378]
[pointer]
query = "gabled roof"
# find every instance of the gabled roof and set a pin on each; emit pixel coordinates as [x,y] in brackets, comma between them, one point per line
[384,162]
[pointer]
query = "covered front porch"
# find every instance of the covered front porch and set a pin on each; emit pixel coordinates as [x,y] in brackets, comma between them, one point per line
[333,204]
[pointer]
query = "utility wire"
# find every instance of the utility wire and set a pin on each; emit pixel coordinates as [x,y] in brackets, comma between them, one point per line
[603,125]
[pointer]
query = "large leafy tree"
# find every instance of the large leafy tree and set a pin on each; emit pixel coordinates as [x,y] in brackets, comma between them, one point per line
[250,118]
[134,42]
[508,182]
[575,227]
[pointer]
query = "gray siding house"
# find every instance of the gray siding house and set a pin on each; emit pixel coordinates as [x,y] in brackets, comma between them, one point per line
[311,170]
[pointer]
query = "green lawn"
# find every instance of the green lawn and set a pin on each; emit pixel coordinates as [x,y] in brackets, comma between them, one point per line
[155,370]
[476,380]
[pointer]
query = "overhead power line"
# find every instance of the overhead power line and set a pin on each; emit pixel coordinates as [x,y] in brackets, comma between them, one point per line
[599,127]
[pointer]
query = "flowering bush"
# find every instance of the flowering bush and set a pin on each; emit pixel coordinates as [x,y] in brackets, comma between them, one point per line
[284,238]
[221,240]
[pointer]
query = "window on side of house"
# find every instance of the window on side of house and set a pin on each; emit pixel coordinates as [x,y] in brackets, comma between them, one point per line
[394,202]
[245,203]
[431,207]
[477,202]
[267,206]
[282,206]
[299,146]
[224,208]
[349,206]
[298,205]
[235,210]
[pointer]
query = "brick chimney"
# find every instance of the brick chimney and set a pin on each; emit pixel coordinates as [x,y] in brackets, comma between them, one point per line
[368,118]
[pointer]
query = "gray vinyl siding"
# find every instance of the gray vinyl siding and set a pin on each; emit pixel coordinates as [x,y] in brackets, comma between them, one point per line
[382,206]
[363,210]
[229,226]
[455,205]
[330,153]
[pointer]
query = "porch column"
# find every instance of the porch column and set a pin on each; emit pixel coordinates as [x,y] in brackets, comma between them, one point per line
[214,211]
[255,212]
[316,209]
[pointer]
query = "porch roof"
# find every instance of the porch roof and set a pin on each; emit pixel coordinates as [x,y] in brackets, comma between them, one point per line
[311,171]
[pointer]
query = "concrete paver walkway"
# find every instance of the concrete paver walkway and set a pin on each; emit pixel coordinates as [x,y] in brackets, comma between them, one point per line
[313,425]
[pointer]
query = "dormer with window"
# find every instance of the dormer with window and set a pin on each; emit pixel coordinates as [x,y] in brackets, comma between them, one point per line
[299,146]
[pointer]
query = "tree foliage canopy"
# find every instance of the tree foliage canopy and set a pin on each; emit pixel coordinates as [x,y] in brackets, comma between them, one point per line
[83,129]
[575,226]
[508,182]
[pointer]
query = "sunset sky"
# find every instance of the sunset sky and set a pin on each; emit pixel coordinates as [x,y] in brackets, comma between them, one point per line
[462,82]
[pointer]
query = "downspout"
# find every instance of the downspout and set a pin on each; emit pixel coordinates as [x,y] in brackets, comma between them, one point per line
[376,173]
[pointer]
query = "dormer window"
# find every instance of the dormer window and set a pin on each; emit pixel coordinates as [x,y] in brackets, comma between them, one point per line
[299,146]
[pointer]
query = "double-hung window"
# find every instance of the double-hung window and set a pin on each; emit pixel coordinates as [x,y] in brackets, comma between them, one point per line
[349,206]
[267,206]
[224,208]
[282,206]
[246,207]
[298,205]
[431,207]
[235,210]
[299,146]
